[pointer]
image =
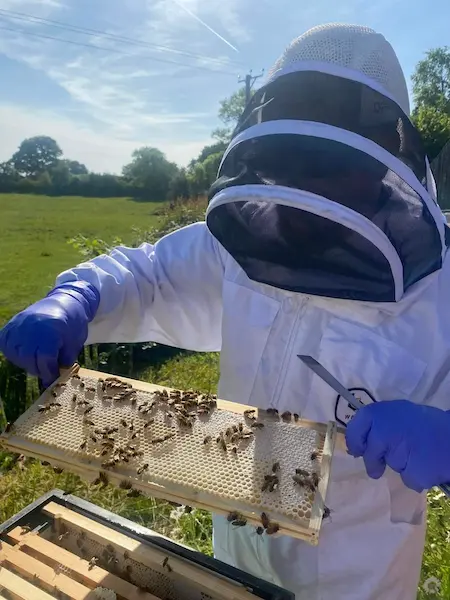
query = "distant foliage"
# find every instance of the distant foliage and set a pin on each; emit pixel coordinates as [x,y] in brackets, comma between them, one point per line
[431,90]
[36,155]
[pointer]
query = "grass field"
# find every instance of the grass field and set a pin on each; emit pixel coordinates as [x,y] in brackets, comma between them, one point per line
[34,231]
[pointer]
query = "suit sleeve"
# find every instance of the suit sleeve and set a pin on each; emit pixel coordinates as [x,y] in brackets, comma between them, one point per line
[170,292]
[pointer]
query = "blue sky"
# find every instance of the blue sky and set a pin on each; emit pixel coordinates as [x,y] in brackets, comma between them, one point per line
[101,104]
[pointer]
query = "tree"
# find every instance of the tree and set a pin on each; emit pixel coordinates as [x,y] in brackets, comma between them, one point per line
[434,126]
[151,171]
[75,167]
[179,186]
[431,89]
[229,113]
[217,147]
[431,80]
[36,155]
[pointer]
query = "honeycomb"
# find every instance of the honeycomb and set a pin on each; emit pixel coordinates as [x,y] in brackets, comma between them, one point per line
[192,464]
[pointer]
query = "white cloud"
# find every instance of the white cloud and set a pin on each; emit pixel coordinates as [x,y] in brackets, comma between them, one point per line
[125,96]
[100,152]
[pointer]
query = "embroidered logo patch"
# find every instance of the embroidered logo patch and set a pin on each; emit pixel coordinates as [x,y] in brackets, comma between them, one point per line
[343,412]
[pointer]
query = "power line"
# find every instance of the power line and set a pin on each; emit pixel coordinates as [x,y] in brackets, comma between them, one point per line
[88,31]
[85,45]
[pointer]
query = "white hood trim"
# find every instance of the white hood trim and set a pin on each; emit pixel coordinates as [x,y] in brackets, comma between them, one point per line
[353,140]
[322,207]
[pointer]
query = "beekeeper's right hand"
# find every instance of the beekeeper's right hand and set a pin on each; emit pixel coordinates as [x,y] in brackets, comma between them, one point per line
[51,332]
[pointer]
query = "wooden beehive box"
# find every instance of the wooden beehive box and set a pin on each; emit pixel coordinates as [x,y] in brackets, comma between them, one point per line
[63,547]
[183,447]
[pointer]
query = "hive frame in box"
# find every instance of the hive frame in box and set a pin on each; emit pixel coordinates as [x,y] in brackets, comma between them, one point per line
[222,581]
[57,457]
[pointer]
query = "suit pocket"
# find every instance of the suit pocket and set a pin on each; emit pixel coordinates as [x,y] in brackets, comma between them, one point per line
[248,317]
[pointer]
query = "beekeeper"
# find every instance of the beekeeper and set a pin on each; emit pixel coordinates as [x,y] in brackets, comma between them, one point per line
[322,237]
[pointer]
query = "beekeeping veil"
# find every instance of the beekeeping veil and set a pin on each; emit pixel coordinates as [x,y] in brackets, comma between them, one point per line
[325,187]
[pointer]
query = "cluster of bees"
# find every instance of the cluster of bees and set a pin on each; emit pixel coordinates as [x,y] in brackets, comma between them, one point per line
[233,436]
[286,416]
[267,526]
[302,477]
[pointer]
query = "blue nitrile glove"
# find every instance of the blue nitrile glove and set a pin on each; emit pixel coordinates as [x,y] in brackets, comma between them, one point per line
[413,440]
[52,331]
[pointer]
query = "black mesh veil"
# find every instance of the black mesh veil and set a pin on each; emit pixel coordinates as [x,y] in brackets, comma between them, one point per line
[314,214]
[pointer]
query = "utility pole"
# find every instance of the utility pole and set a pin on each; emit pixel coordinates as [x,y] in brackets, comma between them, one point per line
[249,80]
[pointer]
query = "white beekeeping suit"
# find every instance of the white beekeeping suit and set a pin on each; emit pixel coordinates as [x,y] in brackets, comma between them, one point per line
[322,237]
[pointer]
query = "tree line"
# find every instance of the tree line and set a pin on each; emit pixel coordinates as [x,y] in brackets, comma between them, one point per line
[38,166]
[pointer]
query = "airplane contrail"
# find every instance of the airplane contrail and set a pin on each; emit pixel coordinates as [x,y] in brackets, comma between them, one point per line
[189,12]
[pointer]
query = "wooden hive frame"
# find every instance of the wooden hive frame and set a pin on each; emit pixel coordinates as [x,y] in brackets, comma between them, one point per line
[90,469]
[34,567]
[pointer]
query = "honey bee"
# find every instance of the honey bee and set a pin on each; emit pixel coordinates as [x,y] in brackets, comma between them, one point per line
[93,563]
[166,565]
[105,451]
[272,528]
[148,423]
[125,485]
[109,463]
[326,512]
[9,427]
[272,412]
[129,569]
[235,428]
[143,468]
[241,522]
[241,427]
[229,432]
[135,435]
[131,426]
[107,397]
[259,530]
[88,410]
[302,472]
[265,520]
[286,416]
[76,376]
[89,423]
[91,390]
[25,529]
[250,413]
[123,423]
[315,479]
[234,450]
[44,408]
[54,393]
[257,425]
[82,385]
[207,440]
[222,443]
[275,467]
[126,555]
[134,494]
[296,417]
[314,455]
[233,516]
[168,436]
[74,398]
[159,440]
[83,445]
[57,470]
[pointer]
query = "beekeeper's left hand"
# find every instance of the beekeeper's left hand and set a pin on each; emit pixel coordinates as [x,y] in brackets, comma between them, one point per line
[413,440]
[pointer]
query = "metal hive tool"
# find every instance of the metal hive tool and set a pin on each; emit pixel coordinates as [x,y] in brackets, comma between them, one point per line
[182,446]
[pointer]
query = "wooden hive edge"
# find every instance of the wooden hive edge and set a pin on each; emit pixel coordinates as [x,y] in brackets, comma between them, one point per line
[146,555]
[95,576]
